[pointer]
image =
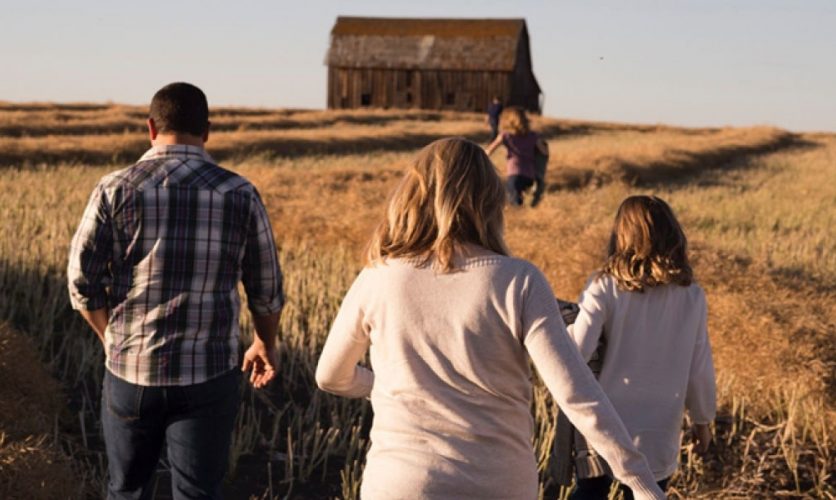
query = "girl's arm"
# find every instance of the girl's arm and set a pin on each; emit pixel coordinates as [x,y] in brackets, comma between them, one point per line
[495,144]
[337,371]
[701,398]
[577,392]
[588,326]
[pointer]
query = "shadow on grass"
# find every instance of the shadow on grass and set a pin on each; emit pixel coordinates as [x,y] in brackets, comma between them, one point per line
[365,142]
[725,158]
[134,123]
[264,148]
[679,168]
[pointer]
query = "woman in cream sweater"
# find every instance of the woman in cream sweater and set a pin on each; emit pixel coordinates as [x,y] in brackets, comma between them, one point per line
[657,359]
[449,319]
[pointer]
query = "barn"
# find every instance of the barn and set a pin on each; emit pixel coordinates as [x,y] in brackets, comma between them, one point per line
[455,64]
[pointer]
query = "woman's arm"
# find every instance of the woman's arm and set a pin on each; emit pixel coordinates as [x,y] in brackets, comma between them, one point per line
[495,144]
[577,392]
[589,325]
[337,371]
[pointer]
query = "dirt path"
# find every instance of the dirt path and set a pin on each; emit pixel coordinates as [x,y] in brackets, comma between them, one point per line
[32,465]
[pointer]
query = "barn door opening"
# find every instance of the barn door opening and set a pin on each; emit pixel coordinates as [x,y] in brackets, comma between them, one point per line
[405,89]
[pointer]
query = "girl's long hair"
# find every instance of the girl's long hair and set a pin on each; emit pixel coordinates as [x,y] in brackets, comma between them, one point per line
[451,194]
[647,246]
[514,121]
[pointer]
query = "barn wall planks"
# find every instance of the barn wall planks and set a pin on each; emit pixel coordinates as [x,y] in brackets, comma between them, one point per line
[350,88]
[456,64]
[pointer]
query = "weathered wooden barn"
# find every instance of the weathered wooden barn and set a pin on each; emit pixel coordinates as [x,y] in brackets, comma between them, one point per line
[457,64]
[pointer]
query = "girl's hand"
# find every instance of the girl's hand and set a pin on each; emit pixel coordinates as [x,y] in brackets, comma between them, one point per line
[495,144]
[702,437]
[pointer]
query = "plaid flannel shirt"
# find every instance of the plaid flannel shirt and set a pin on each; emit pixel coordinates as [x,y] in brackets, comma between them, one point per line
[163,245]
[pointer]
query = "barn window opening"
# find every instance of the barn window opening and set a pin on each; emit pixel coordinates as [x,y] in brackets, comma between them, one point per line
[365,99]
[450,98]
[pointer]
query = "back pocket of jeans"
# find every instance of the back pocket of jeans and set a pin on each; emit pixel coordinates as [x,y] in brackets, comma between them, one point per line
[123,399]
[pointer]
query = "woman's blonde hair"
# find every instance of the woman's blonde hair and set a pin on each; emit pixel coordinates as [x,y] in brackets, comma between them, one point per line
[451,194]
[647,246]
[514,121]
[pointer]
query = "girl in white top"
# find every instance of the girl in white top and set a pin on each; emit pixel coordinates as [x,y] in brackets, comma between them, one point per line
[448,318]
[652,316]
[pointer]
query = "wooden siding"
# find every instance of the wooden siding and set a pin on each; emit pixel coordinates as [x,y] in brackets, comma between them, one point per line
[456,64]
[350,88]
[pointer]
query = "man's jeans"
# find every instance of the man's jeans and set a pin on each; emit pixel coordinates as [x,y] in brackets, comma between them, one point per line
[195,421]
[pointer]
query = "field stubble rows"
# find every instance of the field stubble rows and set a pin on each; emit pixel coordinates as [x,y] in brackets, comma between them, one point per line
[757,204]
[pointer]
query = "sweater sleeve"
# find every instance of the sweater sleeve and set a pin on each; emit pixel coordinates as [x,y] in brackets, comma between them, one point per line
[701,398]
[337,371]
[592,314]
[577,392]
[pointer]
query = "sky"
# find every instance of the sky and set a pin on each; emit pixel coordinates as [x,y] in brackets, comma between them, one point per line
[683,62]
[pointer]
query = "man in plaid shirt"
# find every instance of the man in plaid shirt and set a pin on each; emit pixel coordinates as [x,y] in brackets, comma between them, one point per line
[154,269]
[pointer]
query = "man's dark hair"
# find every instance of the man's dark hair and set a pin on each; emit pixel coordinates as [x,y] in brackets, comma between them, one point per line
[180,108]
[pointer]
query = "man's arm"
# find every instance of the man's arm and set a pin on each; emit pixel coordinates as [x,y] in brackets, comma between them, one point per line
[97,319]
[90,256]
[262,280]
[261,355]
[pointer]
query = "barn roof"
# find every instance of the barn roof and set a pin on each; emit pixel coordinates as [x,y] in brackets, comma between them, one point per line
[455,44]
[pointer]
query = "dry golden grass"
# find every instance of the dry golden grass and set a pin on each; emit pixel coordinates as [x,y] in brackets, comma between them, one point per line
[757,204]
[50,119]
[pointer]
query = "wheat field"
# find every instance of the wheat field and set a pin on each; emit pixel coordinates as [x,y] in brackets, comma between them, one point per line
[758,205]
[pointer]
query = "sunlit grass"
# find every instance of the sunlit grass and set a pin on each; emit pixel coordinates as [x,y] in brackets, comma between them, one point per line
[762,243]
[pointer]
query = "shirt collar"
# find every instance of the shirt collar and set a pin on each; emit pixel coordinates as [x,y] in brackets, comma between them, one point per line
[177,151]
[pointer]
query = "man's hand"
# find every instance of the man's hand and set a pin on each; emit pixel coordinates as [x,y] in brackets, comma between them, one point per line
[97,319]
[702,437]
[261,359]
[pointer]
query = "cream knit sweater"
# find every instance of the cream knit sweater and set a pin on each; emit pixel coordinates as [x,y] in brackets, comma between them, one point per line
[451,387]
[657,361]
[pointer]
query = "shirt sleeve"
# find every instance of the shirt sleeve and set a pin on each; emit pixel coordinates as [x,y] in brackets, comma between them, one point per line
[260,271]
[592,315]
[701,398]
[337,371]
[91,253]
[576,391]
